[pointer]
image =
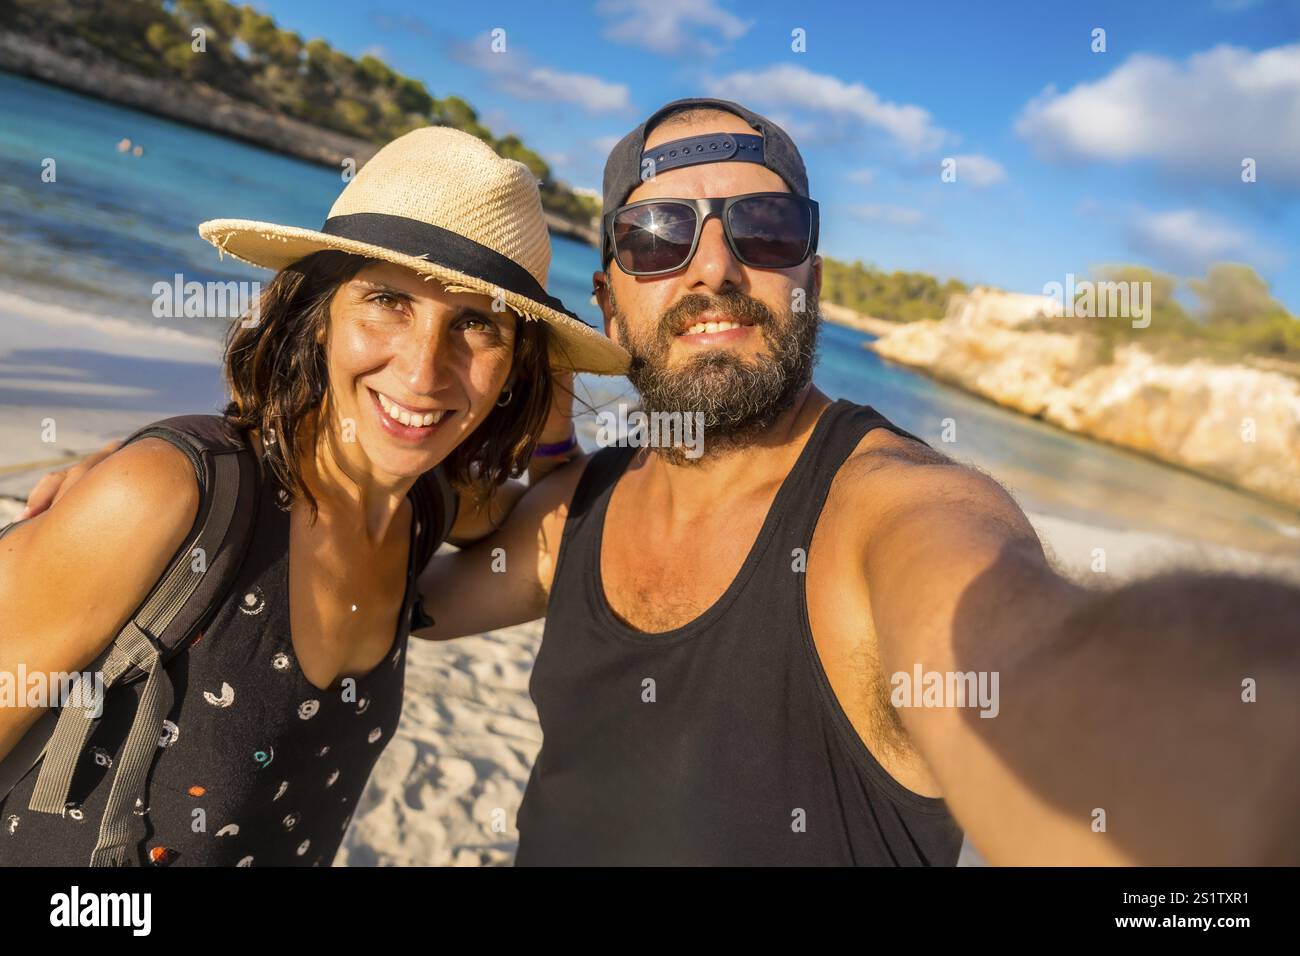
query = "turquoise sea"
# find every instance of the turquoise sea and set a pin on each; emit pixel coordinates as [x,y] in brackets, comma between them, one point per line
[113,224]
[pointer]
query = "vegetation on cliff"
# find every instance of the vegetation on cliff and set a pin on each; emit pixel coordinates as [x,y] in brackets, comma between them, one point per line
[1235,318]
[896,296]
[1232,316]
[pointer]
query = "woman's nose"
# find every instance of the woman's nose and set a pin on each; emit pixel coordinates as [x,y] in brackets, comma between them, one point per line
[423,358]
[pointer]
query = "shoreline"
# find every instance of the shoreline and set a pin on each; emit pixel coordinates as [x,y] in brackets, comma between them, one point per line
[986,359]
[194,105]
[87,73]
[849,319]
[120,375]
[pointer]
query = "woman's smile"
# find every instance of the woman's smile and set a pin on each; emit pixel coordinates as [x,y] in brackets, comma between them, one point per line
[404,422]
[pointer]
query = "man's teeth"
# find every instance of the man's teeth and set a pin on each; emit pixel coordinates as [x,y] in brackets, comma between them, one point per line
[408,418]
[700,327]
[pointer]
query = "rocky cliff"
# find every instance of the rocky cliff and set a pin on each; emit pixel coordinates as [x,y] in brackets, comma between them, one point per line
[1237,424]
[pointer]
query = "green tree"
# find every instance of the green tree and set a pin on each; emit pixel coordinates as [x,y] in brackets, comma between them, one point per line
[1233,293]
[250,58]
[511,148]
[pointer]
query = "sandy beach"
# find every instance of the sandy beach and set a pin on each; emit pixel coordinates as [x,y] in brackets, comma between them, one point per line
[447,789]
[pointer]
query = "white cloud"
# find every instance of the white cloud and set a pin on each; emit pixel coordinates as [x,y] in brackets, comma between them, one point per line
[897,217]
[590,92]
[670,26]
[862,177]
[800,128]
[513,72]
[794,87]
[978,170]
[1188,240]
[1207,113]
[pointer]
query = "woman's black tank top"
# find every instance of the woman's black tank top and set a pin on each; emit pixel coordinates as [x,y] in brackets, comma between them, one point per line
[256,766]
[719,742]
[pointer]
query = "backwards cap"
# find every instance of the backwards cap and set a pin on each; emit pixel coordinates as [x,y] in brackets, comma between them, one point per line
[629,163]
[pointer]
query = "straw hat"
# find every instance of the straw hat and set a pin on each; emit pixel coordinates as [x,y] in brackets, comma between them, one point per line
[442,203]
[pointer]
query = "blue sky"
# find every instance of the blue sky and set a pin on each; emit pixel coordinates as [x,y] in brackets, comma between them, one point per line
[1066,158]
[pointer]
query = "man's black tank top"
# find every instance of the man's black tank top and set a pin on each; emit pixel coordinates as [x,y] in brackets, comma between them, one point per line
[719,742]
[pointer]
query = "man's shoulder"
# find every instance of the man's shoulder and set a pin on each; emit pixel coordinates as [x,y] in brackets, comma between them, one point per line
[884,453]
[888,471]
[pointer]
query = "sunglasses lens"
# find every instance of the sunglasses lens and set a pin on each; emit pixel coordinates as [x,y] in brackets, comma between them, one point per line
[771,232]
[655,237]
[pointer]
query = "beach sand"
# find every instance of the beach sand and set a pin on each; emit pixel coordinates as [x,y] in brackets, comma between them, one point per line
[447,789]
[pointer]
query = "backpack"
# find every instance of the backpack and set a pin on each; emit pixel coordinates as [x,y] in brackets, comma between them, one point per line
[180,604]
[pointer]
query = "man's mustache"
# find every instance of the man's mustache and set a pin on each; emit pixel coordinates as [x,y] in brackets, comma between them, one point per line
[742,307]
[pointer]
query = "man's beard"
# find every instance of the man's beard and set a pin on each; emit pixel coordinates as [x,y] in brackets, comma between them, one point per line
[738,399]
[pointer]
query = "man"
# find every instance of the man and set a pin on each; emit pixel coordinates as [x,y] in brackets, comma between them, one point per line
[727,634]
[724,633]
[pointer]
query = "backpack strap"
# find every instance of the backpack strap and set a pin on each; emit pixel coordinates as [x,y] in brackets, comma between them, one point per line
[199,575]
[436,504]
[133,648]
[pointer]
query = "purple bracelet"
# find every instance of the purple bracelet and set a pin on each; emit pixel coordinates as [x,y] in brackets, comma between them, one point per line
[557,448]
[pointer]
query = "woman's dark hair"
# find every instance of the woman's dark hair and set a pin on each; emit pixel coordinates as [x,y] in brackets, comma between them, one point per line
[277,372]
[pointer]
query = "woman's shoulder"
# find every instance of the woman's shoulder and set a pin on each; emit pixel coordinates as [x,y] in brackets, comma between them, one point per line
[149,482]
[148,490]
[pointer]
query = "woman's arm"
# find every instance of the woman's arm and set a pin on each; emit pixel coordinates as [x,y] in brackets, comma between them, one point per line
[71,577]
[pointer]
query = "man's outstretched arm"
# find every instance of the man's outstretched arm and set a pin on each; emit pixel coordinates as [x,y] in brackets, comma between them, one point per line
[1155,723]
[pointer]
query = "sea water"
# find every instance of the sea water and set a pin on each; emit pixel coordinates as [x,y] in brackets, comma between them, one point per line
[111,225]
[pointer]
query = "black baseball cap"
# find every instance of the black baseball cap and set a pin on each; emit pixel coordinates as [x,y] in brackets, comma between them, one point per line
[771,147]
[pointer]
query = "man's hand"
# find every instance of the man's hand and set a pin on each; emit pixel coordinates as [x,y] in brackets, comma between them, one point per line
[55,484]
[558,427]
[477,519]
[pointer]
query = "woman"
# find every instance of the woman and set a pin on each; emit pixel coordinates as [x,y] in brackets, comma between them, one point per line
[411,333]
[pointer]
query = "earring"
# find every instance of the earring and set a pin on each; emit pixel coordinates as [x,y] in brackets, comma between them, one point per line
[504,400]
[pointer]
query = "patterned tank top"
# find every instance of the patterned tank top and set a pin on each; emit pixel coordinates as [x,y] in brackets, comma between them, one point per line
[256,765]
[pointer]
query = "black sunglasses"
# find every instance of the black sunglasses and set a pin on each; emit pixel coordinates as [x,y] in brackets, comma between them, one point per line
[764,230]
